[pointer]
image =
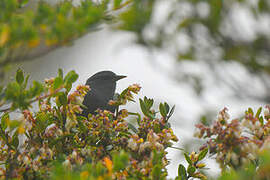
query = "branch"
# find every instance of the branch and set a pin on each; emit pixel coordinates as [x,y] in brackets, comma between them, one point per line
[38,52]
[35,99]
[122,5]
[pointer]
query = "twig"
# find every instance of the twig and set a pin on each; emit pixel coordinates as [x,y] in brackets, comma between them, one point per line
[122,5]
[6,138]
[28,57]
[36,99]
[181,149]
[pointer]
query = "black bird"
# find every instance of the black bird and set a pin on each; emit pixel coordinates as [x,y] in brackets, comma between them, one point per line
[102,85]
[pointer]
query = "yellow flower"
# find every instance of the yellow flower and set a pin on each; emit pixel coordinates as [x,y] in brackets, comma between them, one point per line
[21,129]
[4,35]
[140,140]
[84,175]
[200,165]
[43,28]
[51,42]
[100,178]
[33,43]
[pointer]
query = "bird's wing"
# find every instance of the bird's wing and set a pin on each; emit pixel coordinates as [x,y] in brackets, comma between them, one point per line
[94,100]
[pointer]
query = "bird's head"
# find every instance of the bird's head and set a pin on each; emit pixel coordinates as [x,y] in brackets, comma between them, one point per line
[104,77]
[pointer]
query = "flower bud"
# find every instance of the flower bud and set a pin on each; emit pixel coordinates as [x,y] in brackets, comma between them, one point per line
[200,165]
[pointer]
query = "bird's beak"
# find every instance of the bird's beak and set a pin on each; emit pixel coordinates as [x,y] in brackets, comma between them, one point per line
[119,77]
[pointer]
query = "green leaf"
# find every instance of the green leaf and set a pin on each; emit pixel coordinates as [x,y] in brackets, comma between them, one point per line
[258,112]
[151,115]
[60,73]
[117,3]
[261,120]
[62,99]
[120,161]
[43,121]
[71,77]
[143,107]
[191,170]
[14,124]
[26,81]
[36,89]
[148,102]
[167,107]
[202,154]
[188,158]
[162,110]
[81,125]
[19,76]
[5,121]
[182,172]
[250,111]
[156,172]
[12,91]
[58,81]
[15,140]
[99,169]
[157,158]
[123,93]
[23,2]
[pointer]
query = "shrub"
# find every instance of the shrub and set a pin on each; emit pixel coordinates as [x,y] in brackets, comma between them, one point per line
[53,140]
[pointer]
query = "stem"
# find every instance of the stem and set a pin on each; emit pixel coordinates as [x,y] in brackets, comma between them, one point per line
[11,165]
[35,99]
[181,149]
[122,5]
[64,118]
[117,112]
[6,138]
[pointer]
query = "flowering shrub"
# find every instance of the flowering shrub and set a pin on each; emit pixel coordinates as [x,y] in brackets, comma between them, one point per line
[241,146]
[49,139]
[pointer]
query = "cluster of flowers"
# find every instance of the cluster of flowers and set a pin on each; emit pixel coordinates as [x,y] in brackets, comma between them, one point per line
[57,133]
[145,147]
[239,141]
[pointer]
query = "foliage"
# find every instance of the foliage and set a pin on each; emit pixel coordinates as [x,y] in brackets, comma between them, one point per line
[48,140]
[193,166]
[240,146]
[32,28]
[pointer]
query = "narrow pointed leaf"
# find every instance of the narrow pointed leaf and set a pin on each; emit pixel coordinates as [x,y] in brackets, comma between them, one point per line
[19,76]
[162,110]
[143,107]
[182,172]
[188,158]
[167,107]
[202,154]
[191,170]
[258,112]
